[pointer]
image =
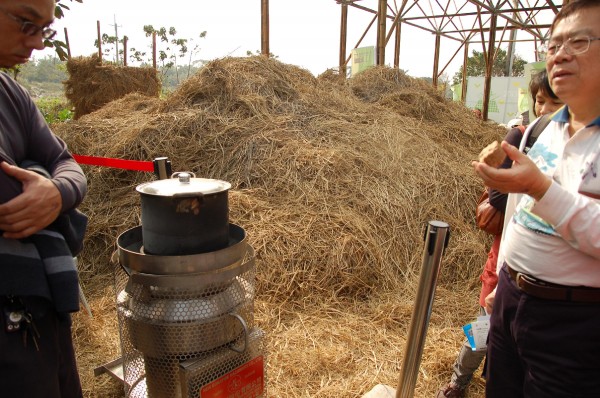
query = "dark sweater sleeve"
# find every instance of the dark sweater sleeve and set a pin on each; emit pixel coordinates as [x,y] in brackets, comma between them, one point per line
[25,135]
[498,199]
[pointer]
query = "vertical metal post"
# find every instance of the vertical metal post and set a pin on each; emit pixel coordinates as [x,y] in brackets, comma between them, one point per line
[436,240]
[343,37]
[162,168]
[381,20]
[116,40]
[397,44]
[436,59]
[463,86]
[489,66]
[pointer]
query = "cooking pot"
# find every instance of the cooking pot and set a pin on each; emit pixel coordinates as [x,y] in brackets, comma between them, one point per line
[184,215]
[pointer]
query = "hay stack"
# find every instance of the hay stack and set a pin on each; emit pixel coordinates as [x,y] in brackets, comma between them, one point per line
[333,184]
[92,85]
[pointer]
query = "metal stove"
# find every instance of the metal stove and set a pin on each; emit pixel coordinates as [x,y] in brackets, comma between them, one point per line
[186,322]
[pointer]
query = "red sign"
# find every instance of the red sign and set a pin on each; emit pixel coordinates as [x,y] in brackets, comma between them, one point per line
[246,381]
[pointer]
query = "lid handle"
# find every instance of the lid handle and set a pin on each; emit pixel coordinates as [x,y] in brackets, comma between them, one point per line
[183,176]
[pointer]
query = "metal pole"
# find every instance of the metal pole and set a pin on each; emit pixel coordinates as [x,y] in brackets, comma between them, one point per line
[489,67]
[436,60]
[116,40]
[436,240]
[343,39]
[397,44]
[162,168]
[463,88]
[381,17]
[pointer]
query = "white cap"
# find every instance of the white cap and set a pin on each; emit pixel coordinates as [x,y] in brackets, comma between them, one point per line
[514,123]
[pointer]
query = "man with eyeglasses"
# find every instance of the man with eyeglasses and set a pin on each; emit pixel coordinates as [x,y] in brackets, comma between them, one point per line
[544,340]
[38,279]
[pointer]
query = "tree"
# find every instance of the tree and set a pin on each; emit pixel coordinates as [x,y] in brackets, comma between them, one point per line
[107,51]
[173,48]
[476,66]
[59,46]
[44,70]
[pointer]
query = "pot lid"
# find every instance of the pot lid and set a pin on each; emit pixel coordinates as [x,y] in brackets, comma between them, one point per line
[183,184]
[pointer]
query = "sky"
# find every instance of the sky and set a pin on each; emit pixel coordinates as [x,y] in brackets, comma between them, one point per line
[305,33]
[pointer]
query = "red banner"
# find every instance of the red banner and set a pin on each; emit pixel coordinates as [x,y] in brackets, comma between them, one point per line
[116,163]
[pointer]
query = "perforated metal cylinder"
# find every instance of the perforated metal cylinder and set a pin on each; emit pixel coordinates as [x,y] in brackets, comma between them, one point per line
[180,332]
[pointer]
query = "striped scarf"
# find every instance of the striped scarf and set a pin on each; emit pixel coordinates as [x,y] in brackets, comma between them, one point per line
[40,265]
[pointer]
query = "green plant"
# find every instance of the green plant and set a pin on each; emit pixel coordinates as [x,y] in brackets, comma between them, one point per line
[54,109]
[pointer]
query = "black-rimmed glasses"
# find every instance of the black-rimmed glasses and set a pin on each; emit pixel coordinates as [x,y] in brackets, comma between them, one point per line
[29,28]
[572,46]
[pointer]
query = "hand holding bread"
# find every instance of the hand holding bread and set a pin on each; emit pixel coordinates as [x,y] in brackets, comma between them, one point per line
[492,155]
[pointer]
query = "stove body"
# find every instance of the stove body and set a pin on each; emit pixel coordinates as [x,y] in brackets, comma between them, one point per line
[186,322]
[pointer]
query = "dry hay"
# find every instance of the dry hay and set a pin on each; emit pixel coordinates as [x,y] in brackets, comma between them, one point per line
[91,85]
[333,189]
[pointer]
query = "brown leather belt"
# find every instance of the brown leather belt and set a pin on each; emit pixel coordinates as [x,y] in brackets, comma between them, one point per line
[552,291]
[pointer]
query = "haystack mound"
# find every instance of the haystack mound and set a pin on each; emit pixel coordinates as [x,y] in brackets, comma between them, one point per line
[333,184]
[91,85]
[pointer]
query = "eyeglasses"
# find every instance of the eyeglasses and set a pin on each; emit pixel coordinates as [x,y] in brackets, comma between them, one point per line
[573,46]
[29,28]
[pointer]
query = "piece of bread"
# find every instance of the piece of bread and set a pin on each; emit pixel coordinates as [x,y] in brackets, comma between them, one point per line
[492,155]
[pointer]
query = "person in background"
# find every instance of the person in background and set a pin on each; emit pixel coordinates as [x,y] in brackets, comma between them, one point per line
[543,339]
[468,361]
[544,99]
[38,278]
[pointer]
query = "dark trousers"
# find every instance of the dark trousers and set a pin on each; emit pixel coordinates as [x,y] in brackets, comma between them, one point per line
[540,348]
[50,372]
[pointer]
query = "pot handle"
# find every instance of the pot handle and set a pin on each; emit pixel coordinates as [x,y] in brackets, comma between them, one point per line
[245,327]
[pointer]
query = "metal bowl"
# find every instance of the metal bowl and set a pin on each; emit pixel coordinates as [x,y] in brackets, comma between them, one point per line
[132,256]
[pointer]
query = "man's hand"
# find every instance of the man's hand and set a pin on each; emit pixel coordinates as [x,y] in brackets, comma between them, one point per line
[522,177]
[33,210]
[489,302]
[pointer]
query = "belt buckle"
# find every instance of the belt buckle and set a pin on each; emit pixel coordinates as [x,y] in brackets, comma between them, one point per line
[523,277]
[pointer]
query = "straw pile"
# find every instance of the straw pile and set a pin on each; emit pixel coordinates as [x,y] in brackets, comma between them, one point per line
[333,181]
[92,85]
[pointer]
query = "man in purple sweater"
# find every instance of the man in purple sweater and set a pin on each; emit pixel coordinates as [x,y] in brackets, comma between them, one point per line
[38,279]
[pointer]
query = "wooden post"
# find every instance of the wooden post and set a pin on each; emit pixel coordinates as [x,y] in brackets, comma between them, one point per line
[343,39]
[67,43]
[154,50]
[264,32]
[489,66]
[381,17]
[397,44]
[124,50]
[463,91]
[99,42]
[436,59]
[510,53]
